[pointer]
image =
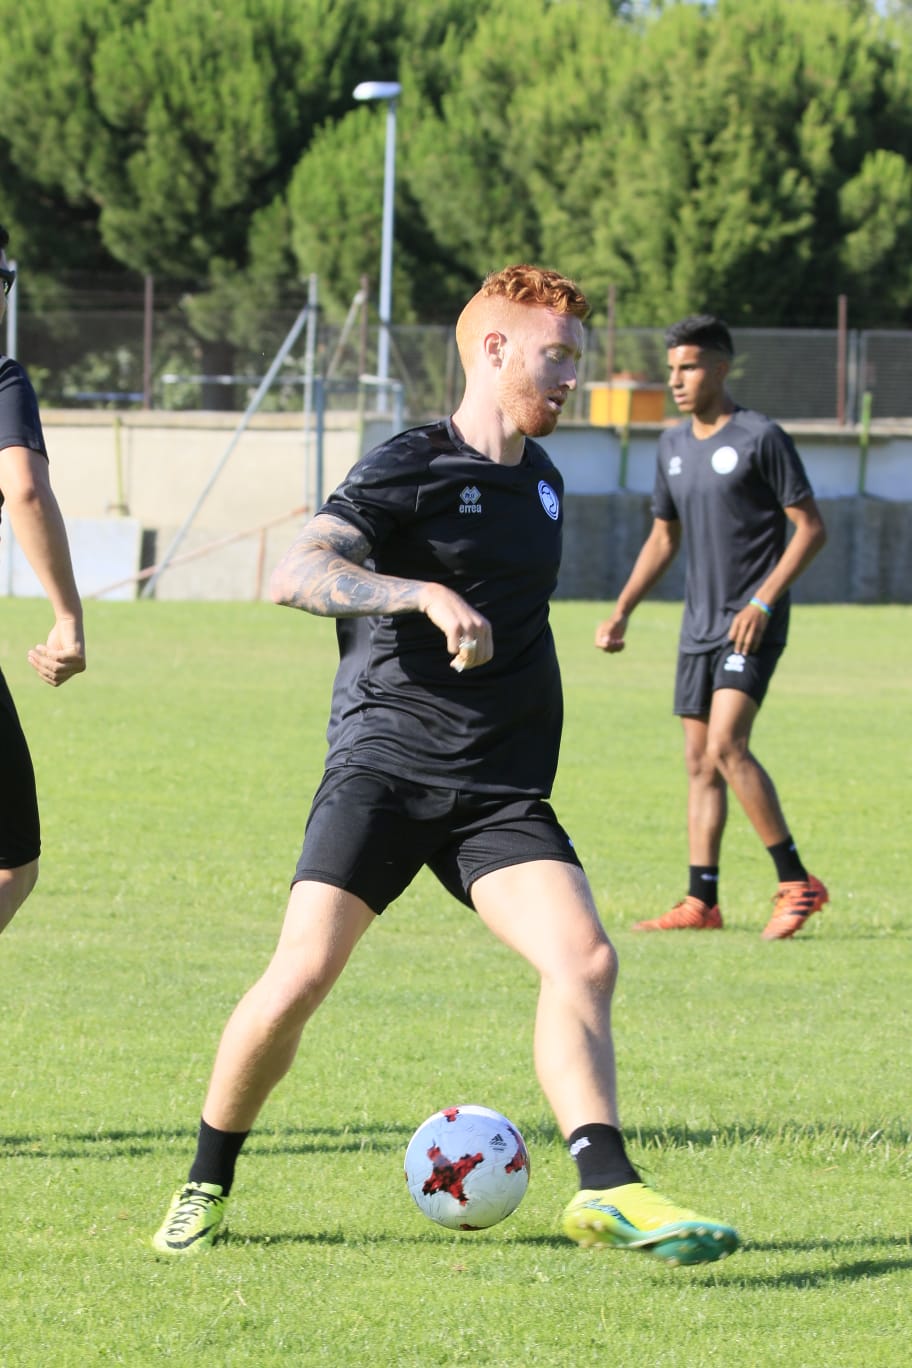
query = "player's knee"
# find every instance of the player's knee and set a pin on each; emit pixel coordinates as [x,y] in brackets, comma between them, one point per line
[725,753]
[287,996]
[695,761]
[601,968]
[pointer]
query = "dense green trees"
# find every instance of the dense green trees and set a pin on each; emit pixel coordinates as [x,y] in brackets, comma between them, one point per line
[752,156]
[738,138]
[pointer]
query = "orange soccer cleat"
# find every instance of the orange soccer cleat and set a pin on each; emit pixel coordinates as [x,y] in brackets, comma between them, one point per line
[688,915]
[793,904]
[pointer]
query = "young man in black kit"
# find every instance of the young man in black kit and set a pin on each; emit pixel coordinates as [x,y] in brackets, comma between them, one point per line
[730,481]
[27,498]
[438,555]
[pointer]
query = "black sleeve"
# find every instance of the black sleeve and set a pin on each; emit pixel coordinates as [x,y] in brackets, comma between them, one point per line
[379,494]
[782,467]
[20,422]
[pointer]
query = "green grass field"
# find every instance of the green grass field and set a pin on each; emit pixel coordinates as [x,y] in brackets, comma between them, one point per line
[767,1084]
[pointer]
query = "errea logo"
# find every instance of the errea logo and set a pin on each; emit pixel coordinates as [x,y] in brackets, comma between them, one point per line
[674,465]
[471,499]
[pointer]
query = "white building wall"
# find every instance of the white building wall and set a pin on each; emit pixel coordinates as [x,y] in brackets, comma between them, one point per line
[151,469]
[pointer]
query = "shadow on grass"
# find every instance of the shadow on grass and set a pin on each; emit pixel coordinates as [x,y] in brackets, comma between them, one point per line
[106,1145]
[445,1240]
[736,1272]
[802,1137]
[388,1139]
[112,1144]
[843,1268]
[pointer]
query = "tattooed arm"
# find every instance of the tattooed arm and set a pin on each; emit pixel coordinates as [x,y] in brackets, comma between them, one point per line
[323,573]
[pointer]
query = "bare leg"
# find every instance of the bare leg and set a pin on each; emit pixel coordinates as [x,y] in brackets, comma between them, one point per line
[321,929]
[545,911]
[728,753]
[15,886]
[707,795]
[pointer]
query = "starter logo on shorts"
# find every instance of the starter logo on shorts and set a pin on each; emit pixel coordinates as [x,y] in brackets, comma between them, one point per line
[735,663]
[724,460]
[549,500]
[471,499]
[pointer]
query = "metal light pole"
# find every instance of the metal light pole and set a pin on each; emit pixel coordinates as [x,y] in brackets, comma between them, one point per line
[388,91]
[12,318]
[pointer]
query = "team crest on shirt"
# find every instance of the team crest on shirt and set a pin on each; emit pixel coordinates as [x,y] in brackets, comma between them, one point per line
[549,500]
[470,499]
[724,460]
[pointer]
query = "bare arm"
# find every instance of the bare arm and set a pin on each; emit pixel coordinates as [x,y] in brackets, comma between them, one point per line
[656,554]
[749,625]
[323,573]
[39,527]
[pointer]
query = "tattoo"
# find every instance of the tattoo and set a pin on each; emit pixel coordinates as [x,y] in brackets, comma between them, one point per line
[322,574]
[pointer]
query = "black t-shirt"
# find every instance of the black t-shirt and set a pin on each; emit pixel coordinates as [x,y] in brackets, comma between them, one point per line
[435,509]
[20,423]
[728,491]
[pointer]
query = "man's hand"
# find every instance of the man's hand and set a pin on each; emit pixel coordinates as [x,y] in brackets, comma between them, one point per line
[63,656]
[609,635]
[748,628]
[467,632]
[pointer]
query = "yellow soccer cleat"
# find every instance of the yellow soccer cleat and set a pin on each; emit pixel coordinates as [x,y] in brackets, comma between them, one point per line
[636,1217]
[194,1220]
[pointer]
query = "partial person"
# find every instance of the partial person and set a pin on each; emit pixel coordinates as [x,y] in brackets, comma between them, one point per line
[731,483]
[27,498]
[438,555]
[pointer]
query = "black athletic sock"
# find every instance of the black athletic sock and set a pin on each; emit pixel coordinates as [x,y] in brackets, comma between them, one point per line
[216,1156]
[600,1157]
[704,884]
[787,862]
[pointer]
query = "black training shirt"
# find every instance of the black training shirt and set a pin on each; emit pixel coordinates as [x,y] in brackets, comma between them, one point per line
[20,424]
[435,509]
[728,491]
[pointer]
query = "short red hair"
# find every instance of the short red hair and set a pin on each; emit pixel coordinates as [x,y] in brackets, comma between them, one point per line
[536,286]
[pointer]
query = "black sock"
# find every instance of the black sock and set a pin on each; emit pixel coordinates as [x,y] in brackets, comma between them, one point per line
[704,884]
[788,865]
[600,1157]
[216,1156]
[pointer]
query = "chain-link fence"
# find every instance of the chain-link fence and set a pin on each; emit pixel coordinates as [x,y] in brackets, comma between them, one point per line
[137,348]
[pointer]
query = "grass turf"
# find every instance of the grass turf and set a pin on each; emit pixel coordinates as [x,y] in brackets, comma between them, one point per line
[765,1084]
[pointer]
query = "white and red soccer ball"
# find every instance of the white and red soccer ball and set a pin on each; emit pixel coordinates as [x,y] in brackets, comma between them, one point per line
[467,1167]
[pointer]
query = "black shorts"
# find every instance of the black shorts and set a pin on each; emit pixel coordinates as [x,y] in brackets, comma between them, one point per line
[699,676]
[370,834]
[20,833]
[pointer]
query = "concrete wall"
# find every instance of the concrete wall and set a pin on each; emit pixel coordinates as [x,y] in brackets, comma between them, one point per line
[155,467]
[867,559]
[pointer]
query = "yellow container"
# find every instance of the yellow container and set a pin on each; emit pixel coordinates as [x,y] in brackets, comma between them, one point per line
[625,401]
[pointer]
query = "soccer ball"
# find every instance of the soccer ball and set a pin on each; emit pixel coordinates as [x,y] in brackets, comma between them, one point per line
[467,1167]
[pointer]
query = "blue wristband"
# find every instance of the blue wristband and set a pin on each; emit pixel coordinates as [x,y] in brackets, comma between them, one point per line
[764,607]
